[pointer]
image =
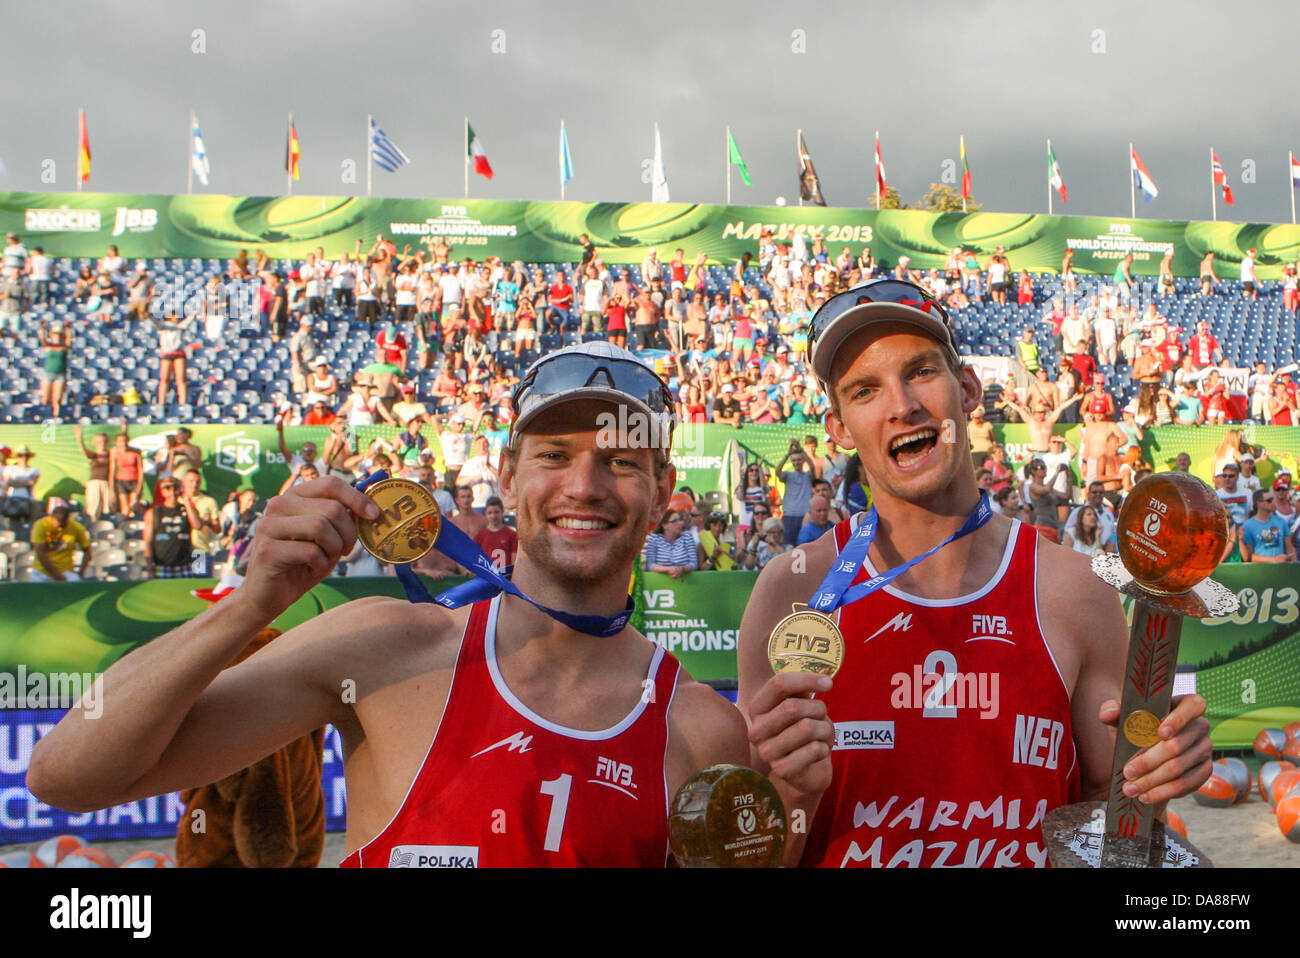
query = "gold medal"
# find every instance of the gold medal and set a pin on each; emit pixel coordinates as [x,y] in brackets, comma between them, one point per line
[806,641]
[408,524]
[1142,728]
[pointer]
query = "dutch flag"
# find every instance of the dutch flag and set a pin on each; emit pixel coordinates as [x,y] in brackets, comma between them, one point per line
[1141,178]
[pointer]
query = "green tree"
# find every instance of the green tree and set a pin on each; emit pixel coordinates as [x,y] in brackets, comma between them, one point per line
[944,199]
[891,200]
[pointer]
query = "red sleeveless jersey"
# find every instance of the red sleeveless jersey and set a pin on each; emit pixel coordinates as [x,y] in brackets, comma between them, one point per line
[502,786]
[952,727]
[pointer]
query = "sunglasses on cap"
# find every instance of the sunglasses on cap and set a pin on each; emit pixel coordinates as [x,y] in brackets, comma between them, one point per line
[877,291]
[578,372]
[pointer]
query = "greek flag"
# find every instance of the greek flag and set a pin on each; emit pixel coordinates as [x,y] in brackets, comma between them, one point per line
[384,151]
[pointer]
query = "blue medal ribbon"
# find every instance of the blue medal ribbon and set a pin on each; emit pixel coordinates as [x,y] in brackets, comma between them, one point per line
[489,581]
[836,591]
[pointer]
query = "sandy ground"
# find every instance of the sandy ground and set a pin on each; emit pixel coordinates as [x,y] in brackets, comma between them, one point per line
[1243,836]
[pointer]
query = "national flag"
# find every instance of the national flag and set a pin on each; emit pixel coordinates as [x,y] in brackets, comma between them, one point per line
[810,186]
[292,152]
[1295,170]
[965,172]
[476,152]
[881,186]
[1054,178]
[734,157]
[659,177]
[83,149]
[566,160]
[385,152]
[198,154]
[1141,178]
[1219,177]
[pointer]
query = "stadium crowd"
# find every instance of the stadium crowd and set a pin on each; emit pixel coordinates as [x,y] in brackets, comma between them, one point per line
[449,337]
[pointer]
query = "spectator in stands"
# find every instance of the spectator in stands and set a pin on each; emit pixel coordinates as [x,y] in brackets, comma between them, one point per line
[306,454]
[409,408]
[497,540]
[204,532]
[183,452]
[55,339]
[763,549]
[1098,403]
[1027,353]
[1290,289]
[18,484]
[277,307]
[999,273]
[99,494]
[239,533]
[333,459]
[1086,535]
[1203,348]
[139,292]
[13,300]
[1215,399]
[1208,279]
[1025,289]
[1130,467]
[1266,536]
[1248,479]
[321,382]
[559,312]
[817,520]
[410,442]
[645,319]
[171,354]
[669,549]
[167,527]
[466,518]
[1007,501]
[84,287]
[1234,498]
[1123,278]
[713,552]
[55,538]
[1248,280]
[125,474]
[1036,492]
[798,489]
[1096,498]
[303,352]
[307,473]
[106,293]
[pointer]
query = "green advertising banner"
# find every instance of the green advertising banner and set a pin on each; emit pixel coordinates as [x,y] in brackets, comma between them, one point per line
[215,226]
[1247,666]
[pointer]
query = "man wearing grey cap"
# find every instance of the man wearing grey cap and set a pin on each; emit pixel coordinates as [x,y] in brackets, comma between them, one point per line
[986,599]
[505,732]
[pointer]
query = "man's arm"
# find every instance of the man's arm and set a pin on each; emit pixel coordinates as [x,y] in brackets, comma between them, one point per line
[1087,617]
[790,733]
[167,717]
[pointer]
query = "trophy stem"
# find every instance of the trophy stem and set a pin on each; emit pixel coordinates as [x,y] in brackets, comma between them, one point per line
[1148,689]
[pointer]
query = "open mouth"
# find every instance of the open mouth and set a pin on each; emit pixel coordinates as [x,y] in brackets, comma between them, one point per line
[913,447]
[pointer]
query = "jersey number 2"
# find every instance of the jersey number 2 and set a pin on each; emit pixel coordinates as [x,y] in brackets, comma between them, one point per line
[558,789]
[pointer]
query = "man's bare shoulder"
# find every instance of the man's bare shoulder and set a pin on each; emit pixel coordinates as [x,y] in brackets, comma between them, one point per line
[1073,602]
[793,576]
[378,630]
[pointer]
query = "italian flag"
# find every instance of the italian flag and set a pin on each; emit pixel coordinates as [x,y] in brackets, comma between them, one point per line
[1054,178]
[476,153]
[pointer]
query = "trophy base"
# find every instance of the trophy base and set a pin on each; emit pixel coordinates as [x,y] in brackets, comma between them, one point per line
[1074,836]
[1207,598]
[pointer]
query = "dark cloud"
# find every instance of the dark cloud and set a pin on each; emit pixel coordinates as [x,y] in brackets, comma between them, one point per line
[1173,77]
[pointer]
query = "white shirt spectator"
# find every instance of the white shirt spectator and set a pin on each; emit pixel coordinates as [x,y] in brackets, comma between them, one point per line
[453,293]
[345,275]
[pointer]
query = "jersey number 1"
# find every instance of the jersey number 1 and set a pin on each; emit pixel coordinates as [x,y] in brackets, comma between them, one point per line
[558,789]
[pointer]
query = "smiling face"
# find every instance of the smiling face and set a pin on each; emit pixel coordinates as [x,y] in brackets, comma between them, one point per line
[583,505]
[895,399]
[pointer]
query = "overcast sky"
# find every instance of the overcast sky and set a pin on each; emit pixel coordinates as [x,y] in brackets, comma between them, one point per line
[1174,77]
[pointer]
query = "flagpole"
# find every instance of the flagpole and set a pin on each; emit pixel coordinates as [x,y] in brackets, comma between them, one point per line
[798,138]
[370,122]
[288,159]
[1049,176]
[875,163]
[1132,186]
[564,141]
[467,157]
[1290,176]
[1214,200]
[728,163]
[189,182]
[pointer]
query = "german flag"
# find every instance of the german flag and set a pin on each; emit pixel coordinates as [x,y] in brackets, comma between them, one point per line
[292,151]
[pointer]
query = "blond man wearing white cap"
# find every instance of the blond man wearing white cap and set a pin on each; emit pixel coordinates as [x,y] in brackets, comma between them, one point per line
[498,733]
